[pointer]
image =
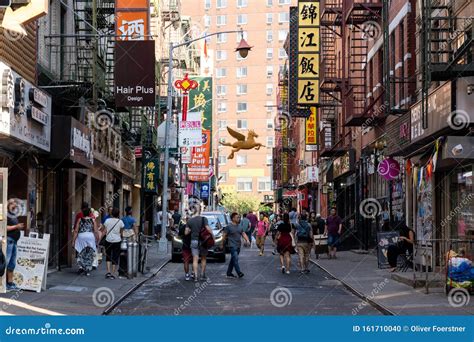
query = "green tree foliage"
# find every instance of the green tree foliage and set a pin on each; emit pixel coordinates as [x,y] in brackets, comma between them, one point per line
[240,203]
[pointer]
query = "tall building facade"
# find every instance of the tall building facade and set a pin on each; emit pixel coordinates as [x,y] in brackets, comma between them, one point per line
[245,88]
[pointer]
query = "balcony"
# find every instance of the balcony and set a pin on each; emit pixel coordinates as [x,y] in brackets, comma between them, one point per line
[329,147]
[331,12]
[360,11]
[366,113]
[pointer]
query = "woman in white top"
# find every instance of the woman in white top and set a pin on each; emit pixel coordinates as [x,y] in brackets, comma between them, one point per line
[114,227]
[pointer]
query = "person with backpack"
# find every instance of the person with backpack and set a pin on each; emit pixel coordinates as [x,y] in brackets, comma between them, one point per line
[305,240]
[199,227]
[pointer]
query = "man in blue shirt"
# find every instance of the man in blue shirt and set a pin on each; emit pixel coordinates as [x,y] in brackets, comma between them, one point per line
[130,228]
[108,215]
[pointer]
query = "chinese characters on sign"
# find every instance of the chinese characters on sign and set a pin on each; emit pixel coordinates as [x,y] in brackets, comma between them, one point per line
[190,132]
[311,131]
[200,100]
[151,175]
[308,52]
[131,20]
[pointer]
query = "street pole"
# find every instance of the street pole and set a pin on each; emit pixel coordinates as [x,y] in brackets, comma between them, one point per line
[163,243]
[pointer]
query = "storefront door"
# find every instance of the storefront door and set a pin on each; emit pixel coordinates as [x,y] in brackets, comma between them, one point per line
[3,219]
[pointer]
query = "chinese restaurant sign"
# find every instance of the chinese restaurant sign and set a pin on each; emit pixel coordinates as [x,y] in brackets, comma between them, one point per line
[198,169]
[151,175]
[190,131]
[308,52]
[311,131]
[135,73]
[200,100]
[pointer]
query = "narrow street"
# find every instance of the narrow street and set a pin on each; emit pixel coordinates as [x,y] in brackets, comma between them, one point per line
[294,294]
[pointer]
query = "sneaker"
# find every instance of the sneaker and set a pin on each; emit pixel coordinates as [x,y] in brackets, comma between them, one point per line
[108,275]
[260,254]
[187,277]
[88,274]
[287,272]
[112,277]
[12,287]
[231,275]
[241,275]
[283,269]
[80,271]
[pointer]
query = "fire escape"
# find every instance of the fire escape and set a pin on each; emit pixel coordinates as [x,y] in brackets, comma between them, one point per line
[446,46]
[361,18]
[332,78]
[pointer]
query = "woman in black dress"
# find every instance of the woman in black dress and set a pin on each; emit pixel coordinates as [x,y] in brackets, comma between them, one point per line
[285,243]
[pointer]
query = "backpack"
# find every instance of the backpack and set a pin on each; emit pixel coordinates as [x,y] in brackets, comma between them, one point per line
[302,230]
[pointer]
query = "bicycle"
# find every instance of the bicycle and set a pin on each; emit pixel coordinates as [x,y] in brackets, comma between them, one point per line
[145,242]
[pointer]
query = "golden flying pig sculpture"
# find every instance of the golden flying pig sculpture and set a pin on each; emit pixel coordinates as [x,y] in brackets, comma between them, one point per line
[242,143]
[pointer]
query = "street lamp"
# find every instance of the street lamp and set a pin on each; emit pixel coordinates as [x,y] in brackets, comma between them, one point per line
[243,50]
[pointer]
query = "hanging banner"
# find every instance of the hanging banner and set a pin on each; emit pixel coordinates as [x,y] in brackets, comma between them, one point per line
[308,52]
[151,175]
[132,19]
[200,100]
[311,137]
[186,155]
[190,131]
[135,73]
[32,262]
[198,170]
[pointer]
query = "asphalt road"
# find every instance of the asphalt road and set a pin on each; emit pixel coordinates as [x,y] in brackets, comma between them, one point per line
[264,290]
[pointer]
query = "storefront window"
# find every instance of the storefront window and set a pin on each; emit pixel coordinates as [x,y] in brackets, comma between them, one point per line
[461,215]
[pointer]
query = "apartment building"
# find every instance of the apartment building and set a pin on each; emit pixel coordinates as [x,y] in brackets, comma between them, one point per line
[245,89]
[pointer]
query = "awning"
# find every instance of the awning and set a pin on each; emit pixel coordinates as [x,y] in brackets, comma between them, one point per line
[290,193]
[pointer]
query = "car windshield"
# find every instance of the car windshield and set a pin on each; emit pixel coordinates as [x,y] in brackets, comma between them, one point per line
[221,217]
[212,220]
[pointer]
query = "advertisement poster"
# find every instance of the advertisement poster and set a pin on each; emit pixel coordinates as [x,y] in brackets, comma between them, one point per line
[32,262]
[198,170]
[190,131]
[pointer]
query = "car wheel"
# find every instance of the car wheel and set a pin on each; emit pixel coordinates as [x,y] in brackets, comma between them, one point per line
[176,258]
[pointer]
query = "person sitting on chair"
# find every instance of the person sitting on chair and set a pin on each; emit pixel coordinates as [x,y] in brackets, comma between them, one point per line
[405,243]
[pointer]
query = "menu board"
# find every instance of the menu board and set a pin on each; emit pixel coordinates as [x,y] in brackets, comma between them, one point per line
[32,262]
[385,239]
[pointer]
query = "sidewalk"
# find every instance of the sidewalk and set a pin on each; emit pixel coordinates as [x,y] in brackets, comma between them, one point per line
[71,294]
[360,272]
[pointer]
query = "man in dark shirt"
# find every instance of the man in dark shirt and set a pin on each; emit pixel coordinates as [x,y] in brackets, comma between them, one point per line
[333,231]
[235,232]
[253,223]
[185,235]
[176,218]
[13,235]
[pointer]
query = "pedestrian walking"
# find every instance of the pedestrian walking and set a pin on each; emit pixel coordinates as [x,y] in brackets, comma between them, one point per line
[176,219]
[313,222]
[333,231]
[253,223]
[14,228]
[285,244]
[261,232]
[196,224]
[305,240]
[185,234]
[274,230]
[113,229]
[130,229]
[293,216]
[107,215]
[234,233]
[85,239]
[245,223]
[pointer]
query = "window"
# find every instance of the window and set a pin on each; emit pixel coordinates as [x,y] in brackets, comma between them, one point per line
[241,89]
[269,71]
[207,21]
[241,160]
[242,124]
[222,107]
[244,184]
[221,89]
[269,36]
[207,4]
[282,34]
[281,53]
[269,3]
[221,55]
[269,18]
[270,124]
[269,106]
[222,160]
[222,177]
[241,19]
[221,124]
[242,3]
[241,107]
[264,184]
[221,72]
[241,72]
[269,53]
[221,20]
[221,3]
[284,2]
[222,37]
[269,89]
[283,17]
[270,141]
[269,159]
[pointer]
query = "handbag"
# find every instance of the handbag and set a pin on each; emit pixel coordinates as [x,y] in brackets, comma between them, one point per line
[206,237]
